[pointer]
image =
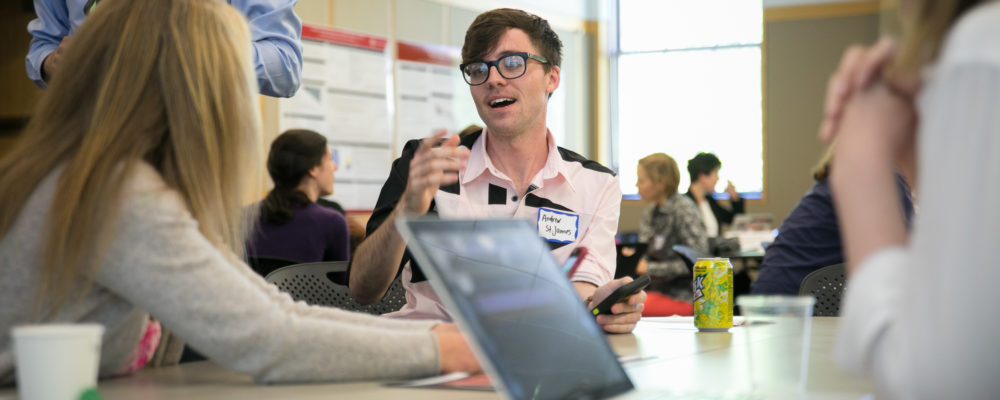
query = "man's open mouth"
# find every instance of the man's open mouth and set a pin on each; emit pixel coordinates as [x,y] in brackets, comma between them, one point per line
[501,102]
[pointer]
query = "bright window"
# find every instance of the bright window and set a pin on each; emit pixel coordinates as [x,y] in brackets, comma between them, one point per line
[689,81]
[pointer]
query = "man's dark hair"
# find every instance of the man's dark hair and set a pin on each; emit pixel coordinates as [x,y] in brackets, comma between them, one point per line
[702,164]
[485,32]
[292,155]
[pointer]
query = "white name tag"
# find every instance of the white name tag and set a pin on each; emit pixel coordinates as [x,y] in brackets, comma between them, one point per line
[557,226]
[658,242]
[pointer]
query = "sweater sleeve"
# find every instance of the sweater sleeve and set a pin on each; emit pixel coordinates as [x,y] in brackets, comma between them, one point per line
[160,261]
[338,238]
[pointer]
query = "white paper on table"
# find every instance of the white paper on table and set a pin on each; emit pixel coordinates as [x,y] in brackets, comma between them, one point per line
[679,322]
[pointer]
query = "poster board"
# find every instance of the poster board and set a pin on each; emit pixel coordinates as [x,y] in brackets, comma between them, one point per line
[368,106]
[426,81]
[344,96]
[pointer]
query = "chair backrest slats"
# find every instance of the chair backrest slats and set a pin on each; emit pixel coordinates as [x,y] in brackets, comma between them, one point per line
[827,285]
[312,283]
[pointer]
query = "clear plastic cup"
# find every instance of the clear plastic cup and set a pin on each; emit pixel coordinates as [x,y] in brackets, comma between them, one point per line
[778,331]
[56,361]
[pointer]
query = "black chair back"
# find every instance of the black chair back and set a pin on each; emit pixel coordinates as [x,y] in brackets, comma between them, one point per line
[827,285]
[266,265]
[689,255]
[315,284]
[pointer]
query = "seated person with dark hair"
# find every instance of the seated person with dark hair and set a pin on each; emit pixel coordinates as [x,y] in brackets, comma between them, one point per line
[809,238]
[292,226]
[704,170]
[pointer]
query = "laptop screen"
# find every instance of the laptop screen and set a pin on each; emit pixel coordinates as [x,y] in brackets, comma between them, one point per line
[502,285]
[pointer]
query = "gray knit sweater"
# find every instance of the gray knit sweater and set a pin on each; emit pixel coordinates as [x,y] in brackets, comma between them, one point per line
[160,265]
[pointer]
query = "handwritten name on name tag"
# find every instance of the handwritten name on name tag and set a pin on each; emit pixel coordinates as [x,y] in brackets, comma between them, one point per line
[557,226]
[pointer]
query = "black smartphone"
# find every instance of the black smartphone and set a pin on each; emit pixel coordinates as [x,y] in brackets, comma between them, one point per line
[621,294]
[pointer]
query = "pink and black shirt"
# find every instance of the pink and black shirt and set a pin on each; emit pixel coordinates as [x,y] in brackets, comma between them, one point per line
[572,201]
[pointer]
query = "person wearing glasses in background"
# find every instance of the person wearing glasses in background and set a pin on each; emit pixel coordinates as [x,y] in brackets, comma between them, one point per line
[512,168]
[274,27]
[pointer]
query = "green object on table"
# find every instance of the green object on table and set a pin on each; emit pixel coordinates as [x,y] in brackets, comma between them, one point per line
[90,394]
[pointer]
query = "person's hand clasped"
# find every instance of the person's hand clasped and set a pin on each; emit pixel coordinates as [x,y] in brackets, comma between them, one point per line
[455,354]
[859,68]
[878,122]
[432,166]
[624,315]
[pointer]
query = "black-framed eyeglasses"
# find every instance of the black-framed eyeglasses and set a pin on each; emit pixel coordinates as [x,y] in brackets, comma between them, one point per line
[510,66]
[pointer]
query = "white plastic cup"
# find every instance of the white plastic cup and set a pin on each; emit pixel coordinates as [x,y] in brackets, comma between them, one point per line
[778,330]
[57,361]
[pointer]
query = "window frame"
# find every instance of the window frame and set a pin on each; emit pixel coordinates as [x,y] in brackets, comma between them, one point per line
[615,53]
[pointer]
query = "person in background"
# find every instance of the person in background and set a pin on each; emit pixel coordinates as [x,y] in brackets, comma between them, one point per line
[355,229]
[511,169]
[292,226]
[704,170]
[123,199]
[671,219]
[274,27]
[917,315]
[809,238]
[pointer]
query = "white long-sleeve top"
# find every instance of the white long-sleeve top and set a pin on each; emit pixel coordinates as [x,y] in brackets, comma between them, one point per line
[159,264]
[922,319]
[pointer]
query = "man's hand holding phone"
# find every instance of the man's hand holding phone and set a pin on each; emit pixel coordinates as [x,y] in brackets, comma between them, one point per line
[624,307]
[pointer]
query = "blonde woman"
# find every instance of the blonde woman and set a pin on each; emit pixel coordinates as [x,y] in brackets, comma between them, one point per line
[671,219]
[919,312]
[133,210]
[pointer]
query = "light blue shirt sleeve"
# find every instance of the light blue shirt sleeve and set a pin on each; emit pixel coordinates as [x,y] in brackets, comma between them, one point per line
[274,28]
[277,44]
[47,31]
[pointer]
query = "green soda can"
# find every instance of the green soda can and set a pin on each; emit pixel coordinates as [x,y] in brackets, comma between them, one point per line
[713,294]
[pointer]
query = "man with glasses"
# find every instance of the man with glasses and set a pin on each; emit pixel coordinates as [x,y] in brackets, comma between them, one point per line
[512,168]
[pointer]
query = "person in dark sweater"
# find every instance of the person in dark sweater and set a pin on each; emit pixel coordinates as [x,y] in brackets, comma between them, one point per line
[292,226]
[809,238]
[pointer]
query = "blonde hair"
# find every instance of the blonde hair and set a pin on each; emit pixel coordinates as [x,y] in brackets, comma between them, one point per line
[662,170]
[168,83]
[924,25]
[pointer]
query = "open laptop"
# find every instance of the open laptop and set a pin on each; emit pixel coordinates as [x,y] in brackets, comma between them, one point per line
[529,328]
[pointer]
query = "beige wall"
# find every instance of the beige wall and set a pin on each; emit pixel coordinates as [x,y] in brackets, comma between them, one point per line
[802,46]
[18,95]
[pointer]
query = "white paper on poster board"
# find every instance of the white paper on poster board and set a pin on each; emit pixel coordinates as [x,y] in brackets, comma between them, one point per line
[315,61]
[425,101]
[356,196]
[362,163]
[413,78]
[287,122]
[357,70]
[310,99]
[360,119]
